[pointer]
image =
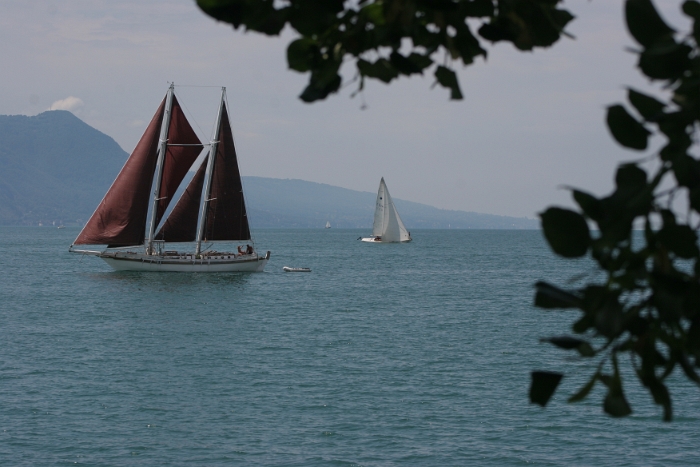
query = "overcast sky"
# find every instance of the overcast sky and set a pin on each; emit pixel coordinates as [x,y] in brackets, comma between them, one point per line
[529,122]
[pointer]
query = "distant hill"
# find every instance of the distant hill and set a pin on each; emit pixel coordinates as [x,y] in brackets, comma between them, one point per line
[56,168]
[277,203]
[53,167]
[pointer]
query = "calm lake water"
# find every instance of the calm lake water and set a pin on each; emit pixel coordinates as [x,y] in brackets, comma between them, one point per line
[383,355]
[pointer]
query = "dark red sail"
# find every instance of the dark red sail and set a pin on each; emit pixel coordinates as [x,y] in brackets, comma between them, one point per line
[181,224]
[178,159]
[120,218]
[226,214]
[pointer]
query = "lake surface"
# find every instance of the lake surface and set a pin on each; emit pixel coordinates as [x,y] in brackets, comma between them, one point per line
[384,355]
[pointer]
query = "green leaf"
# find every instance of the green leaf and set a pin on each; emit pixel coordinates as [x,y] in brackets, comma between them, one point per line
[589,204]
[667,62]
[630,179]
[609,319]
[254,16]
[321,85]
[585,390]
[687,171]
[404,65]
[420,60]
[374,12]
[659,392]
[680,239]
[447,78]
[616,405]
[494,32]
[382,69]
[479,8]
[543,386]
[311,18]
[584,324]
[645,23]
[626,129]
[566,232]
[549,296]
[302,54]
[564,342]
[586,350]
[647,106]
[692,8]
[467,45]
[694,198]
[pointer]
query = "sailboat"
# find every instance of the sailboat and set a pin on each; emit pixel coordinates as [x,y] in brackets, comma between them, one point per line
[328,224]
[211,209]
[387,227]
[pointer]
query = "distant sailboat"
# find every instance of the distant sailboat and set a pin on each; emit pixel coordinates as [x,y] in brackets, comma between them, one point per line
[328,225]
[211,209]
[387,227]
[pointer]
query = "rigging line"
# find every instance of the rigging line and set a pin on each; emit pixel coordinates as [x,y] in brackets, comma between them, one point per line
[195,86]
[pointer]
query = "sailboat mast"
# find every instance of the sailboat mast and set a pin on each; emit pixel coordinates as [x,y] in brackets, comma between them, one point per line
[207,177]
[162,146]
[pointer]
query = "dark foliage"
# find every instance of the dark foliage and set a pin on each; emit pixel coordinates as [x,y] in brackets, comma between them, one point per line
[648,306]
[390,38]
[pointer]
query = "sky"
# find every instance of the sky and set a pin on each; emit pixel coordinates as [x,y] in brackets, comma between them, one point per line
[530,123]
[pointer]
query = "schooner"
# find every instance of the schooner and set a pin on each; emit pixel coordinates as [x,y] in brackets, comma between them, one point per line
[211,209]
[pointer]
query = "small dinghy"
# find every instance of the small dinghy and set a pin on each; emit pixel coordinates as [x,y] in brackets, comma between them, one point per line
[288,269]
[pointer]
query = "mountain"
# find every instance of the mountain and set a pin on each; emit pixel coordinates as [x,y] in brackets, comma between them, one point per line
[53,167]
[56,168]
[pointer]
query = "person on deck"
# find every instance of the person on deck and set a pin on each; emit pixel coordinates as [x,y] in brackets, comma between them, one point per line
[248,250]
[240,251]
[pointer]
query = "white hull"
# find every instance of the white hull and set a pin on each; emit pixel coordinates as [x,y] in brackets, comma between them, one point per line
[185,263]
[374,240]
[288,269]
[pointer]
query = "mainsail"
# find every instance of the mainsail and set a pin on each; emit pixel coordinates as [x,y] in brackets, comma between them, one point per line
[226,218]
[387,223]
[120,218]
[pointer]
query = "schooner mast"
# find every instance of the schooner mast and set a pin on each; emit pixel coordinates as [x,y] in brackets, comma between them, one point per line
[162,146]
[214,144]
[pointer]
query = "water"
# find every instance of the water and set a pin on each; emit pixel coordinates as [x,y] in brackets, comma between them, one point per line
[383,355]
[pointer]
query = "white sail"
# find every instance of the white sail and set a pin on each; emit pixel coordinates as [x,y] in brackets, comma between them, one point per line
[388,226]
[378,226]
[328,225]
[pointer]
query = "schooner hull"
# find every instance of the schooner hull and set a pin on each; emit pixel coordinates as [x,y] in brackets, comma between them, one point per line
[206,264]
